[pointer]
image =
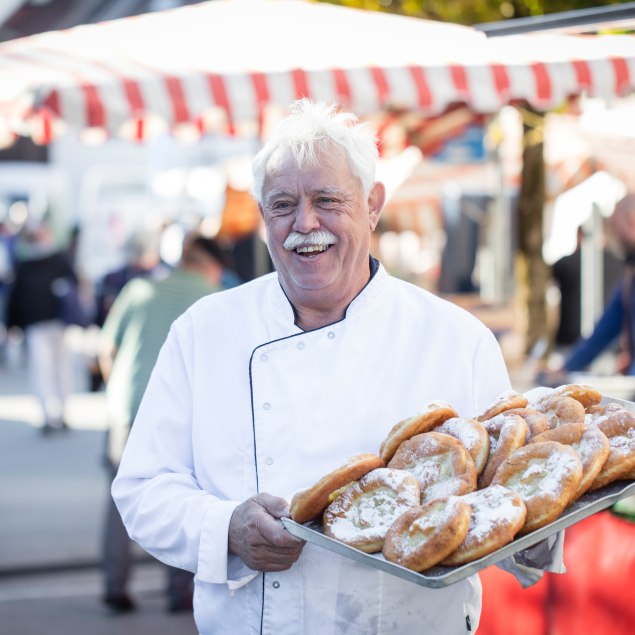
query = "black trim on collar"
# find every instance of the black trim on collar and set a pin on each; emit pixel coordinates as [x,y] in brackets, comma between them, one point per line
[374,268]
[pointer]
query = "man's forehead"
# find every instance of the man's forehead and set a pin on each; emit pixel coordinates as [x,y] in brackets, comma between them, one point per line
[275,190]
[326,173]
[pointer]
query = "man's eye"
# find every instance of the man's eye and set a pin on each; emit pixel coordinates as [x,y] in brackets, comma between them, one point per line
[281,205]
[325,200]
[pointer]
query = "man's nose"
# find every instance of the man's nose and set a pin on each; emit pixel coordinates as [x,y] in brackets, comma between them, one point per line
[306,217]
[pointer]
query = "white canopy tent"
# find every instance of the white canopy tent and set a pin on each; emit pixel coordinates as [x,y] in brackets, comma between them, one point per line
[242,57]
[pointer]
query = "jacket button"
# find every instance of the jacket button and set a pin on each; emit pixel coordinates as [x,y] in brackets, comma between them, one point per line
[275,584]
[330,335]
[266,405]
[300,345]
[264,358]
[269,461]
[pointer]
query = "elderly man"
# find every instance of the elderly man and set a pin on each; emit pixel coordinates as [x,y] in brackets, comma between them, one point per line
[261,390]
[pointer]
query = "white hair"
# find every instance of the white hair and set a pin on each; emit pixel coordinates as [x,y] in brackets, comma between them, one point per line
[313,126]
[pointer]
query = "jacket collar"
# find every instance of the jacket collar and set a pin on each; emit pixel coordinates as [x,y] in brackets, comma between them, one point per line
[281,309]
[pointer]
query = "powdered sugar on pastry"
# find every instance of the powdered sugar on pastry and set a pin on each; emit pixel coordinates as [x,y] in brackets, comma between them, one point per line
[440,462]
[472,434]
[593,449]
[498,513]
[619,428]
[362,514]
[309,503]
[507,433]
[546,475]
[423,536]
[434,414]
[505,401]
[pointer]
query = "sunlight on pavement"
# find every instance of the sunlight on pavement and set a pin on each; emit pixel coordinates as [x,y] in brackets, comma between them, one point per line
[85,411]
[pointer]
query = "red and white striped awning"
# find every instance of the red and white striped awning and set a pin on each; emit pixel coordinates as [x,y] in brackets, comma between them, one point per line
[243,57]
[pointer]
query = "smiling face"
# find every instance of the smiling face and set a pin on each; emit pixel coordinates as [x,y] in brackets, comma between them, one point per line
[318,222]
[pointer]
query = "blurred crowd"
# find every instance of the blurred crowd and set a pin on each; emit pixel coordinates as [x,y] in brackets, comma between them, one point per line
[125,316]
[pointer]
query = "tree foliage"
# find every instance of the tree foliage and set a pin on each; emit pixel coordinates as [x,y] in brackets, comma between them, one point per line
[474,11]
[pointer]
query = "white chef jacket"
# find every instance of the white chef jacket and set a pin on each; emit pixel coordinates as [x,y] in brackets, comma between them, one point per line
[243,401]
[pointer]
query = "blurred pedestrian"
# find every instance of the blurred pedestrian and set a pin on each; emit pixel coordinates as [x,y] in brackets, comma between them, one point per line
[567,274]
[132,336]
[251,256]
[229,278]
[34,306]
[142,260]
[617,322]
[7,241]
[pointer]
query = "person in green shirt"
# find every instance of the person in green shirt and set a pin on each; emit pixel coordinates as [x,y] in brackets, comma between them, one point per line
[132,336]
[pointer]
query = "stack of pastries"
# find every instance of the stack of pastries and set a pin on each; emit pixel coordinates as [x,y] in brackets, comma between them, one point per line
[448,490]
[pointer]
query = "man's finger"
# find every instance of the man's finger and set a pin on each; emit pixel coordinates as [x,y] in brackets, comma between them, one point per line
[274,505]
[278,537]
[264,559]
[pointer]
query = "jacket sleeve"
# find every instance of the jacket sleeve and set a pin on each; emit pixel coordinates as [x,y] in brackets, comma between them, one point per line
[490,377]
[156,490]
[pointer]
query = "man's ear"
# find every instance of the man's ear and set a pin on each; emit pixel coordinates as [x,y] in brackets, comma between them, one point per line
[376,200]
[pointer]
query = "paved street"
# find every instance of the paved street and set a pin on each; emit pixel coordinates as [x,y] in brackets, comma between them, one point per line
[67,603]
[52,496]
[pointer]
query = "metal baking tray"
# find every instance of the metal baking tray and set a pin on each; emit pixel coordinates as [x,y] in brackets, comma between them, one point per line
[439,576]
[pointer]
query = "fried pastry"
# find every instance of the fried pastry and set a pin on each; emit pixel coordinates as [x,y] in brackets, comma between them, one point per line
[505,401]
[497,515]
[440,462]
[566,433]
[506,433]
[586,395]
[560,410]
[433,415]
[546,475]
[607,414]
[363,513]
[593,449]
[536,421]
[423,536]
[310,503]
[619,427]
[590,443]
[472,434]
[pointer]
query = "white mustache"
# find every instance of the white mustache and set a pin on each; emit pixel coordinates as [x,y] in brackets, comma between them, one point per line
[321,237]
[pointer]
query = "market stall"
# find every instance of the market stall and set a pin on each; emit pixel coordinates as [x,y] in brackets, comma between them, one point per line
[181,68]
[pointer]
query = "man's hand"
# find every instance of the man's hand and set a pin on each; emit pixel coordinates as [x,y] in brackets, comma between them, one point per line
[256,536]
